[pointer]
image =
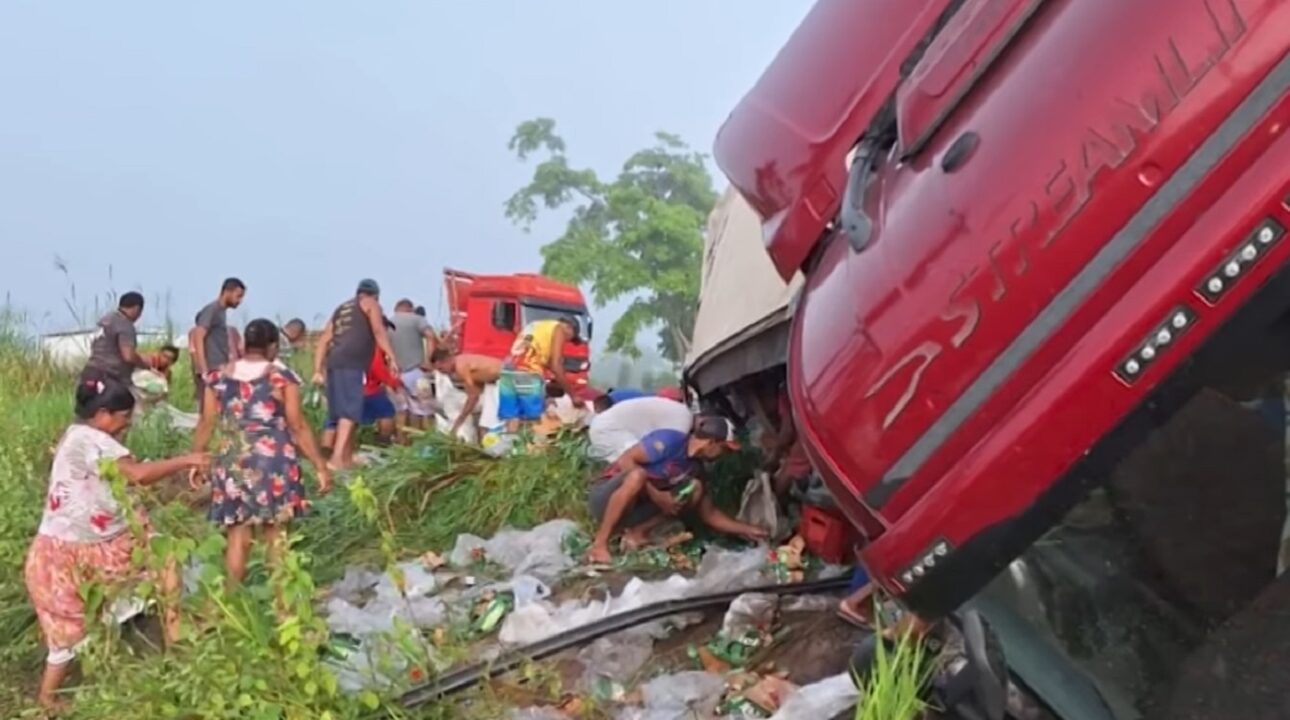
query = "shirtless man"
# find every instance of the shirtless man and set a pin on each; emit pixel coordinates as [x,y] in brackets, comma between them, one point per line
[475,372]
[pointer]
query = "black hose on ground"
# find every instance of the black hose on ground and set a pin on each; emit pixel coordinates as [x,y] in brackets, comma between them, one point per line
[466,677]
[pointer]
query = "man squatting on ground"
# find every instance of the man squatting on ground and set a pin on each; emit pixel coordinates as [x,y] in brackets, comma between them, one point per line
[658,479]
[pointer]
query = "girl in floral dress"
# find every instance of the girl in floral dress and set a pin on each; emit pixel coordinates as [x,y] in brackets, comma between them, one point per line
[255,479]
[83,536]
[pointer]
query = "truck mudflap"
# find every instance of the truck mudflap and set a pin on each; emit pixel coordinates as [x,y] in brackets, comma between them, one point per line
[947,374]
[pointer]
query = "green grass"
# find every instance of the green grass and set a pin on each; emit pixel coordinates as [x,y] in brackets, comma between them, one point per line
[893,688]
[424,497]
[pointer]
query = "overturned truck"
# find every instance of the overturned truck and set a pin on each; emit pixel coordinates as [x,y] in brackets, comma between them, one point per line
[1038,350]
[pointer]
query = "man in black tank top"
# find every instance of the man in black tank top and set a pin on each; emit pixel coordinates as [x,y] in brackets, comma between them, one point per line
[355,331]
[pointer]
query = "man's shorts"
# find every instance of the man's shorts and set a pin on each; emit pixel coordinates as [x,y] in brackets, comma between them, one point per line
[638,512]
[417,396]
[521,396]
[375,408]
[345,394]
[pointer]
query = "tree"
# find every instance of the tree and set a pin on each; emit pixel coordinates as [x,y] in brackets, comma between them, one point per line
[640,236]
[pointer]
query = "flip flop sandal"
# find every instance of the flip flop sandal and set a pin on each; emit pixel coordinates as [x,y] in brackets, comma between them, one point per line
[853,619]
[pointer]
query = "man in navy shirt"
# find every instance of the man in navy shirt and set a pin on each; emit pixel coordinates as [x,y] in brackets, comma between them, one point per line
[657,479]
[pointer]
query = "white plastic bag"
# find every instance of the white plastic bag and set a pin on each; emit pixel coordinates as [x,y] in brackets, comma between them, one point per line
[750,611]
[684,695]
[760,507]
[452,399]
[824,699]
[617,659]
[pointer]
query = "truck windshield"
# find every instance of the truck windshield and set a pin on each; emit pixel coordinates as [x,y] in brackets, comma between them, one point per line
[533,313]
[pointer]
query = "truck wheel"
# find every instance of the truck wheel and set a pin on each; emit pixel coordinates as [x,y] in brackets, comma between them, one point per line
[1241,669]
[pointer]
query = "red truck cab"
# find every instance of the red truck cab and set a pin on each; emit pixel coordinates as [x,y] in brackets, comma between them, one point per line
[1051,206]
[488,311]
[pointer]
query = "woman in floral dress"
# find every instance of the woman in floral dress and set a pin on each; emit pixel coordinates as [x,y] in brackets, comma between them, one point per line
[255,480]
[83,536]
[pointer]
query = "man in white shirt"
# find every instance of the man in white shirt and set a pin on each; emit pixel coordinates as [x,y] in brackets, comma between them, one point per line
[618,429]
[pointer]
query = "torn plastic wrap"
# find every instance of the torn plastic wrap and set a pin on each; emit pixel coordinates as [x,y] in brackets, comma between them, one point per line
[750,612]
[612,663]
[678,697]
[720,570]
[760,507]
[538,552]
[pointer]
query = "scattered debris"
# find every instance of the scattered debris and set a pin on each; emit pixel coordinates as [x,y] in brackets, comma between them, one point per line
[432,561]
[719,570]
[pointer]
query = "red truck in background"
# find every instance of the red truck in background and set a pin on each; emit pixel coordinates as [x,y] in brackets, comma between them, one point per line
[1031,231]
[487,313]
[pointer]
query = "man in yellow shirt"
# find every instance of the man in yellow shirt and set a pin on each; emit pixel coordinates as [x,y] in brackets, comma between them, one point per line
[538,350]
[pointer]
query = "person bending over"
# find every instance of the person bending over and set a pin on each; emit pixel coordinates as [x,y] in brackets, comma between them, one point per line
[655,480]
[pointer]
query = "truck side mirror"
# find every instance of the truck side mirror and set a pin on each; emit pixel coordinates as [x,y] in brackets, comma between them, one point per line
[504,315]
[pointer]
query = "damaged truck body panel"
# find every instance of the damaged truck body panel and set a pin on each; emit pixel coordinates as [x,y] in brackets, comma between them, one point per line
[947,375]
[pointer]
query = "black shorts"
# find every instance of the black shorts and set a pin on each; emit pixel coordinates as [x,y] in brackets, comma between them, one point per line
[640,511]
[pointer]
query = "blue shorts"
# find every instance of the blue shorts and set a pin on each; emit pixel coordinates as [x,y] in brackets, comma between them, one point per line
[375,408]
[520,396]
[345,394]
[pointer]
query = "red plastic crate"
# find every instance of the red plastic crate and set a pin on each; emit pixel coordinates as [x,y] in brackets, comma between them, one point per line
[828,535]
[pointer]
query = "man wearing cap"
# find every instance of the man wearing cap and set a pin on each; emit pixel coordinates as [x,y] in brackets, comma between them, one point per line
[656,479]
[538,350]
[355,331]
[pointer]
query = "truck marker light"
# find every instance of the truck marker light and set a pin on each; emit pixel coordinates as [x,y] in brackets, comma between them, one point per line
[1235,265]
[1153,346]
[926,562]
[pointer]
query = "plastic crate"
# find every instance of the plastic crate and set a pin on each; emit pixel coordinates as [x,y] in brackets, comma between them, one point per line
[828,535]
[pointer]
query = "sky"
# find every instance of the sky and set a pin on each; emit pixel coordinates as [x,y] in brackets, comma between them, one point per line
[303,145]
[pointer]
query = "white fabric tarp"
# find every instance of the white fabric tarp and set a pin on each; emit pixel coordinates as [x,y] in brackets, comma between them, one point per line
[741,294]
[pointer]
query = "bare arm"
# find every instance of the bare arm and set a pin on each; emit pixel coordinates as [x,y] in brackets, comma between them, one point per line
[206,425]
[473,392]
[199,349]
[324,344]
[376,319]
[633,458]
[147,473]
[130,354]
[715,518]
[557,359]
[304,435]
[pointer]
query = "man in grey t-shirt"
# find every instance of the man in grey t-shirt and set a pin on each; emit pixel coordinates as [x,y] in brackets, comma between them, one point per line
[414,343]
[210,336]
[114,351]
